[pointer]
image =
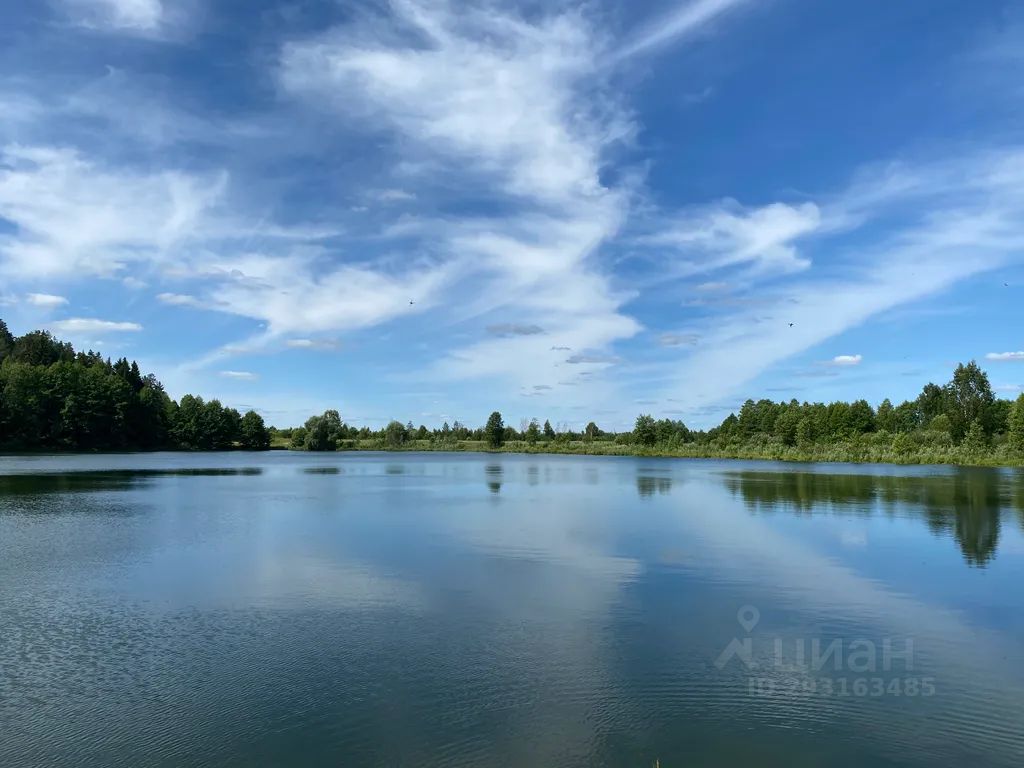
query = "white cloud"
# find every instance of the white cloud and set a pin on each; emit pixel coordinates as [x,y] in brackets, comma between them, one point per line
[549,121]
[728,235]
[134,283]
[75,217]
[302,293]
[847,360]
[127,15]
[687,19]
[179,300]
[239,375]
[311,344]
[1004,356]
[80,325]
[475,61]
[45,300]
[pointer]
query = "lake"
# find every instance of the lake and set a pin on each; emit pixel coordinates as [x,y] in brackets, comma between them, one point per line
[499,610]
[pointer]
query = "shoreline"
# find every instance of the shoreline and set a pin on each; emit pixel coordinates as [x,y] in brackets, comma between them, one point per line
[827,454]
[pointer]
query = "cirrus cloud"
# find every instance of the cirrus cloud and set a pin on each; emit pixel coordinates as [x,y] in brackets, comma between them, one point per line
[80,325]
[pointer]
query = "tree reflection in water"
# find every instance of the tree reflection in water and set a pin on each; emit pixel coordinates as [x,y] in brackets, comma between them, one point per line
[966,504]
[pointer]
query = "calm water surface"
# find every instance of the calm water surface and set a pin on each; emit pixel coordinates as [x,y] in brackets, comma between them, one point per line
[476,610]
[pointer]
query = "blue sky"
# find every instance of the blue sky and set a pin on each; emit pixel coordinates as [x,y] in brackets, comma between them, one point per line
[568,210]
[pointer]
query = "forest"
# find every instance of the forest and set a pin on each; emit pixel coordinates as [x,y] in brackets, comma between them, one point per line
[54,398]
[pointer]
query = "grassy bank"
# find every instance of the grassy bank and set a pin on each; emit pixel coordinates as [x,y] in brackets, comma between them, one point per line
[851,452]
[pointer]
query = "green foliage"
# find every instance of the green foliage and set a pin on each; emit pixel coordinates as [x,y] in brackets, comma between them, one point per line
[549,432]
[885,417]
[6,341]
[494,431]
[969,398]
[54,399]
[903,444]
[930,403]
[40,348]
[941,423]
[394,434]
[975,441]
[253,434]
[645,431]
[1016,431]
[1000,413]
[533,432]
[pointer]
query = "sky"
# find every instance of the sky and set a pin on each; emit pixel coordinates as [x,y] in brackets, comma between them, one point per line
[426,210]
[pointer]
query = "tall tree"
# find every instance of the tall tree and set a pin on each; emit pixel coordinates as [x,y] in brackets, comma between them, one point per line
[253,432]
[969,398]
[885,418]
[319,433]
[6,341]
[930,403]
[394,434]
[494,432]
[645,431]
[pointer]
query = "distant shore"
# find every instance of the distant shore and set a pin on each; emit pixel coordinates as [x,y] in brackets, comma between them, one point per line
[954,456]
[958,456]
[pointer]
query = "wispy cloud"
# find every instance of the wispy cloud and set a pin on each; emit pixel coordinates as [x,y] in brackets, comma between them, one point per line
[77,217]
[1004,356]
[239,375]
[965,218]
[514,329]
[593,359]
[393,196]
[128,15]
[706,239]
[311,344]
[687,19]
[80,325]
[678,339]
[540,150]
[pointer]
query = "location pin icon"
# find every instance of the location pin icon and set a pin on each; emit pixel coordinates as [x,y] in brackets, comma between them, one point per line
[748,617]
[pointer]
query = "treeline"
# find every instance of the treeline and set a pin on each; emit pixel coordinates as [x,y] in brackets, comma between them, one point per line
[54,398]
[328,432]
[959,422]
[962,416]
